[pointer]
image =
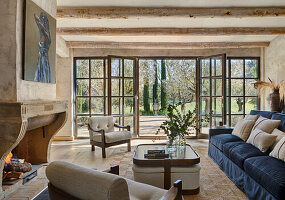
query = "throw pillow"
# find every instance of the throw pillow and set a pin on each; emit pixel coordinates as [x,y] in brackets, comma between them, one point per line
[279,134]
[266,125]
[243,128]
[251,117]
[279,150]
[261,139]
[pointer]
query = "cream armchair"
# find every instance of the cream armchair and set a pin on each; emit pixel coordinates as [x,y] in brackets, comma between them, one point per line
[102,133]
[72,182]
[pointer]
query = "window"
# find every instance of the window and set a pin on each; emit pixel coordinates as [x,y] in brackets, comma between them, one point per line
[90,91]
[241,94]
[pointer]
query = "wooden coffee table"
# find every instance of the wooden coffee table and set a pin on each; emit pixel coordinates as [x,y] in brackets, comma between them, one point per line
[186,165]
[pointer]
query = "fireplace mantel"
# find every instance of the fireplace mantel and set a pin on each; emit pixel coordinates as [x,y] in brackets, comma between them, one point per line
[28,128]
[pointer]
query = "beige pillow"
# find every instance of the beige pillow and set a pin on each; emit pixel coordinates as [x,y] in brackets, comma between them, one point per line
[279,134]
[279,150]
[261,140]
[251,117]
[266,125]
[243,128]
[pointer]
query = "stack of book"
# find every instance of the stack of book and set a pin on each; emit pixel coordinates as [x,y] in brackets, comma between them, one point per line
[156,154]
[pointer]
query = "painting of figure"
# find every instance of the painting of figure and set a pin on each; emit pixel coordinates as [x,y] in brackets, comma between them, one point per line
[39,58]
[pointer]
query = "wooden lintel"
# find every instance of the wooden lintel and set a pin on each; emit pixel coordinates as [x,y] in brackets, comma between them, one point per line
[164,45]
[171,31]
[127,12]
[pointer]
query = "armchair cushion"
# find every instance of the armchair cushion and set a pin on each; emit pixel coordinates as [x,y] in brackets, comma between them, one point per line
[84,183]
[111,137]
[140,191]
[101,122]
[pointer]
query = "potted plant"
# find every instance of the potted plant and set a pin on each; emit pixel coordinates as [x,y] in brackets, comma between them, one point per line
[178,126]
[277,95]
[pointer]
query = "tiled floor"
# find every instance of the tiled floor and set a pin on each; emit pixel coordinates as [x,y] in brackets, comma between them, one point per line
[215,185]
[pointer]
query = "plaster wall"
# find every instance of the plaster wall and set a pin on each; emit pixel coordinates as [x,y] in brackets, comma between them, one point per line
[64,91]
[12,87]
[274,64]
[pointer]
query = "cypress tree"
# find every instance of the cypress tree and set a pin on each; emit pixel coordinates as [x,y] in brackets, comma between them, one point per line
[163,87]
[155,85]
[146,106]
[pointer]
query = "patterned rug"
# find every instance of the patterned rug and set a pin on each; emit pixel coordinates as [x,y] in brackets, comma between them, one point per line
[214,184]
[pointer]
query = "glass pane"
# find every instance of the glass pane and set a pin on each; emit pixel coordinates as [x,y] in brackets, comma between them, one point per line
[129,121]
[82,68]
[97,68]
[129,87]
[237,87]
[250,104]
[227,68]
[205,126]
[117,87]
[82,87]
[205,67]
[97,105]
[217,87]
[205,105]
[82,126]
[251,68]
[250,90]
[237,68]
[216,121]
[235,119]
[117,105]
[106,67]
[217,105]
[82,105]
[116,67]
[118,120]
[237,105]
[97,87]
[128,68]
[205,87]
[129,105]
[219,67]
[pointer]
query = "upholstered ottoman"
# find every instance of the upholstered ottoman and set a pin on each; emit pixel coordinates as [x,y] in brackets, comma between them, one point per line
[190,176]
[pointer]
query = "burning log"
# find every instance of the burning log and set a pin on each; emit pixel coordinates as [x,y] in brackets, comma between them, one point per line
[18,167]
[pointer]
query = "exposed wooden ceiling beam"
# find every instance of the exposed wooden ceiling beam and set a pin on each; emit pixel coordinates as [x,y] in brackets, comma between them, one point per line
[165,45]
[170,31]
[126,12]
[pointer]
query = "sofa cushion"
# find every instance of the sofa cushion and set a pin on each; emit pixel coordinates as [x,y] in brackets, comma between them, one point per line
[243,128]
[279,134]
[219,140]
[261,139]
[281,117]
[268,172]
[266,114]
[243,151]
[279,150]
[266,125]
[251,117]
[227,147]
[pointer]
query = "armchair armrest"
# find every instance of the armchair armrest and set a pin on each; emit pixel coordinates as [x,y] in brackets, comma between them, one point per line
[175,192]
[123,127]
[113,170]
[218,131]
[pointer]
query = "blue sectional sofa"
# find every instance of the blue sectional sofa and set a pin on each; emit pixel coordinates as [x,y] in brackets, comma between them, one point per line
[259,175]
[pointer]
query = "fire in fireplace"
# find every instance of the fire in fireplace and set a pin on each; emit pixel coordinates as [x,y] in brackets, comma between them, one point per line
[14,168]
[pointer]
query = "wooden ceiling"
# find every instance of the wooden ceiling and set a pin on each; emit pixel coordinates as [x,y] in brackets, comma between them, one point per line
[165,24]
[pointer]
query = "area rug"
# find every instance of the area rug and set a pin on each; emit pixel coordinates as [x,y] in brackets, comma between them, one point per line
[214,184]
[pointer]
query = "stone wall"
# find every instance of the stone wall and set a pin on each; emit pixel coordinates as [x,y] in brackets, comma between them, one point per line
[274,67]
[12,87]
[64,91]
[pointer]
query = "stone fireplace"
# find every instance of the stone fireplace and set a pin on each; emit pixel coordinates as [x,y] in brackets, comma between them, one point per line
[28,128]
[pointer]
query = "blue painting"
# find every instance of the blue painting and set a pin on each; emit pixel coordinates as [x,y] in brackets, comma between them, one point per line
[40,43]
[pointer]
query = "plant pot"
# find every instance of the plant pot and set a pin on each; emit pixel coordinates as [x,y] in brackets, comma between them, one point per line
[275,101]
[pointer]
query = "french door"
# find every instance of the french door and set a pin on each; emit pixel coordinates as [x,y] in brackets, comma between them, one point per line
[122,90]
[211,91]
